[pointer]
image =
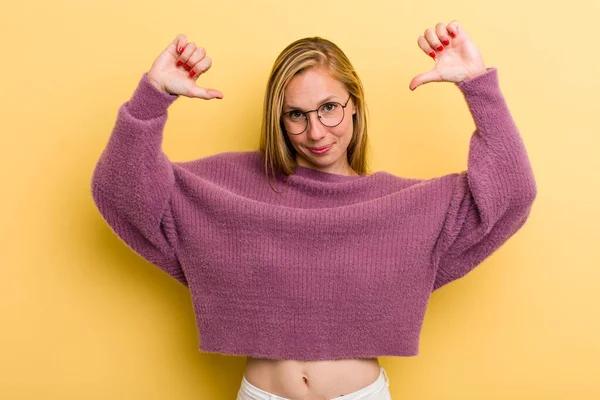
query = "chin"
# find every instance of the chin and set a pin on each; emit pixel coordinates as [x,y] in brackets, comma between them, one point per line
[320,163]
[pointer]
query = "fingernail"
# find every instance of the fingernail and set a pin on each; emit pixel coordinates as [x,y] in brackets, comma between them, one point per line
[192,73]
[179,63]
[432,54]
[181,50]
[452,34]
[440,48]
[446,42]
[187,67]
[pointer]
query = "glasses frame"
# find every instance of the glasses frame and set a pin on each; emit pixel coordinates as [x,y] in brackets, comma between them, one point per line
[307,118]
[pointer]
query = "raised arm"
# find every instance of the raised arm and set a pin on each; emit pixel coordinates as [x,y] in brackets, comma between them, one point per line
[493,198]
[133,180]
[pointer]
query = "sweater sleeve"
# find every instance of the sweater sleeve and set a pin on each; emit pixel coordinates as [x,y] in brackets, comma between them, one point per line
[133,179]
[493,198]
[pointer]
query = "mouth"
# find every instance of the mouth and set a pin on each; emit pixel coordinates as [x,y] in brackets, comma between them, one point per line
[320,150]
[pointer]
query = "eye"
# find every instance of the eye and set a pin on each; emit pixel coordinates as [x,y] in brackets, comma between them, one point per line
[329,107]
[295,114]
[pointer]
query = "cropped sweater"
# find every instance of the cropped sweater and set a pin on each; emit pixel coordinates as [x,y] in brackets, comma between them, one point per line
[333,267]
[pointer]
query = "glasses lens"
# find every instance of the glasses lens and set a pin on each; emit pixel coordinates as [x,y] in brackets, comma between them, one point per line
[331,114]
[294,122]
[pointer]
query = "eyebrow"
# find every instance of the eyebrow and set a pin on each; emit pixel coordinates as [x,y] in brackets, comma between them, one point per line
[293,107]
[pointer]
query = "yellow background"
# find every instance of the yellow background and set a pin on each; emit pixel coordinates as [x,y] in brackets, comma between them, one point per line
[83,317]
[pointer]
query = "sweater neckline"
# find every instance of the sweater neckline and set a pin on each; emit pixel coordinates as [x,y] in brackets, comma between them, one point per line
[315,175]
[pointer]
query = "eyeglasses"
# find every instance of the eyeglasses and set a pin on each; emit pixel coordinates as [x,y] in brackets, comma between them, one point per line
[330,114]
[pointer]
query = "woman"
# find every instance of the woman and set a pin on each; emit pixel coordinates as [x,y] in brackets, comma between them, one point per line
[294,256]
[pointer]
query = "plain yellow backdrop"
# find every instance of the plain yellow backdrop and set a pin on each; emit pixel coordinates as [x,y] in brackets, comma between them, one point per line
[83,317]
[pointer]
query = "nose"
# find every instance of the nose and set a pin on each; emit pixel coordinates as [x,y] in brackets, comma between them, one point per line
[315,129]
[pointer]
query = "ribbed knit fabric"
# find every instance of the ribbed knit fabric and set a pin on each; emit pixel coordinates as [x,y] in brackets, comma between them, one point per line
[335,267]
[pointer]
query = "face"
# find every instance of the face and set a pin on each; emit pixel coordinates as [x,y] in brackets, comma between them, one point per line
[320,147]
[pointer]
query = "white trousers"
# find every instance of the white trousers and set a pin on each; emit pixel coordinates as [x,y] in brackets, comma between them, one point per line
[378,390]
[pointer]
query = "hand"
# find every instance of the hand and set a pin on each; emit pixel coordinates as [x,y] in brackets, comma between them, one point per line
[177,69]
[456,56]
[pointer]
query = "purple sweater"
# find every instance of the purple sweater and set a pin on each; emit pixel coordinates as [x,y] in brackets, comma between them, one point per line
[335,266]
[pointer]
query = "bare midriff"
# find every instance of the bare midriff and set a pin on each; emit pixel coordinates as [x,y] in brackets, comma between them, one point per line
[311,380]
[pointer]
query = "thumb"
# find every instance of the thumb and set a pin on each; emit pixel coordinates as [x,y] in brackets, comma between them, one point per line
[431,76]
[206,94]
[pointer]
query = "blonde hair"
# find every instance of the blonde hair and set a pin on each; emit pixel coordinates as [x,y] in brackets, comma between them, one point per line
[279,154]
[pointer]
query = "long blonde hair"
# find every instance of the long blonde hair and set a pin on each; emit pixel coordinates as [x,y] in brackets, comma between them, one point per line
[279,154]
